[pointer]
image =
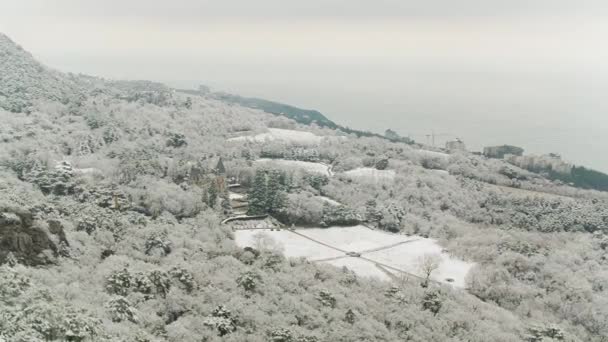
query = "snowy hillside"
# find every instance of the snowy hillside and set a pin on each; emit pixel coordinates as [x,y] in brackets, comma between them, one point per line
[130,212]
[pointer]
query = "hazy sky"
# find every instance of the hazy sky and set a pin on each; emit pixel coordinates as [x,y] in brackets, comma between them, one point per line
[526,72]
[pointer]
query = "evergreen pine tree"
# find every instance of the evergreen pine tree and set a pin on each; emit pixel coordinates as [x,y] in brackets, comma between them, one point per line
[225,203]
[258,194]
[372,215]
[211,195]
[275,197]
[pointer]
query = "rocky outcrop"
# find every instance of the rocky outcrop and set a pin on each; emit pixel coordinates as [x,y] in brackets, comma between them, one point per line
[28,241]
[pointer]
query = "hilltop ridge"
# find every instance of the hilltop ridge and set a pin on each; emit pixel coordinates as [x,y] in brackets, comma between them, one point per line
[23,80]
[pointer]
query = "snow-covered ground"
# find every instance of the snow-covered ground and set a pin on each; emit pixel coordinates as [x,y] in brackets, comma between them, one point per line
[406,257]
[434,154]
[358,238]
[399,251]
[371,174]
[88,170]
[235,196]
[297,164]
[294,245]
[362,268]
[289,135]
[329,200]
[441,172]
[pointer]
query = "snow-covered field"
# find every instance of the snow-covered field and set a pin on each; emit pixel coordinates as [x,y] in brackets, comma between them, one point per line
[370,174]
[398,251]
[289,135]
[406,257]
[297,164]
[294,245]
[358,238]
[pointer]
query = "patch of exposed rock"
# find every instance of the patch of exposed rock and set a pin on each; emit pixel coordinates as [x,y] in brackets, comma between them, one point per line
[29,241]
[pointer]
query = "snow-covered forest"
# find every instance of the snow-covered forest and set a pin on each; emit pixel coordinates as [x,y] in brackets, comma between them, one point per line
[113,193]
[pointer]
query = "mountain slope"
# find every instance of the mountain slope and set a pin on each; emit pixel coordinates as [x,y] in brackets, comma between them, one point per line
[125,184]
[23,80]
[303,116]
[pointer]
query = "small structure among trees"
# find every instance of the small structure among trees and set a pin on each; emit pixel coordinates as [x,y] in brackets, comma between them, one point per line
[499,152]
[455,145]
[220,176]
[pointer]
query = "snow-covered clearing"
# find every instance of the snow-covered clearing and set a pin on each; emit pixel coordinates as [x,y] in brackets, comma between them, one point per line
[362,268]
[434,154]
[87,171]
[397,251]
[329,200]
[370,174]
[289,135]
[407,258]
[235,196]
[297,164]
[441,172]
[358,238]
[294,245]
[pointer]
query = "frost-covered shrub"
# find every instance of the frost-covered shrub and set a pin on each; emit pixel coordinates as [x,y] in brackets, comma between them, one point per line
[57,181]
[388,217]
[142,283]
[272,260]
[157,243]
[432,301]
[176,140]
[12,284]
[111,134]
[316,181]
[222,320]
[161,282]
[280,335]
[78,327]
[136,163]
[339,215]
[184,278]
[105,196]
[326,298]
[303,209]
[32,314]
[433,163]
[381,164]
[286,335]
[87,144]
[95,120]
[551,333]
[120,309]
[95,218]
[224,326]
[153,196]
[350,317]
[248,281]
[119,282]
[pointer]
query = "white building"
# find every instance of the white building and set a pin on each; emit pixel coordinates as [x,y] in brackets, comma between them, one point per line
[455,145]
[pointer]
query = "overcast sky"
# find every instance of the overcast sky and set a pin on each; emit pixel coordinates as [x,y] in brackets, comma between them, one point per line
[489,71]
